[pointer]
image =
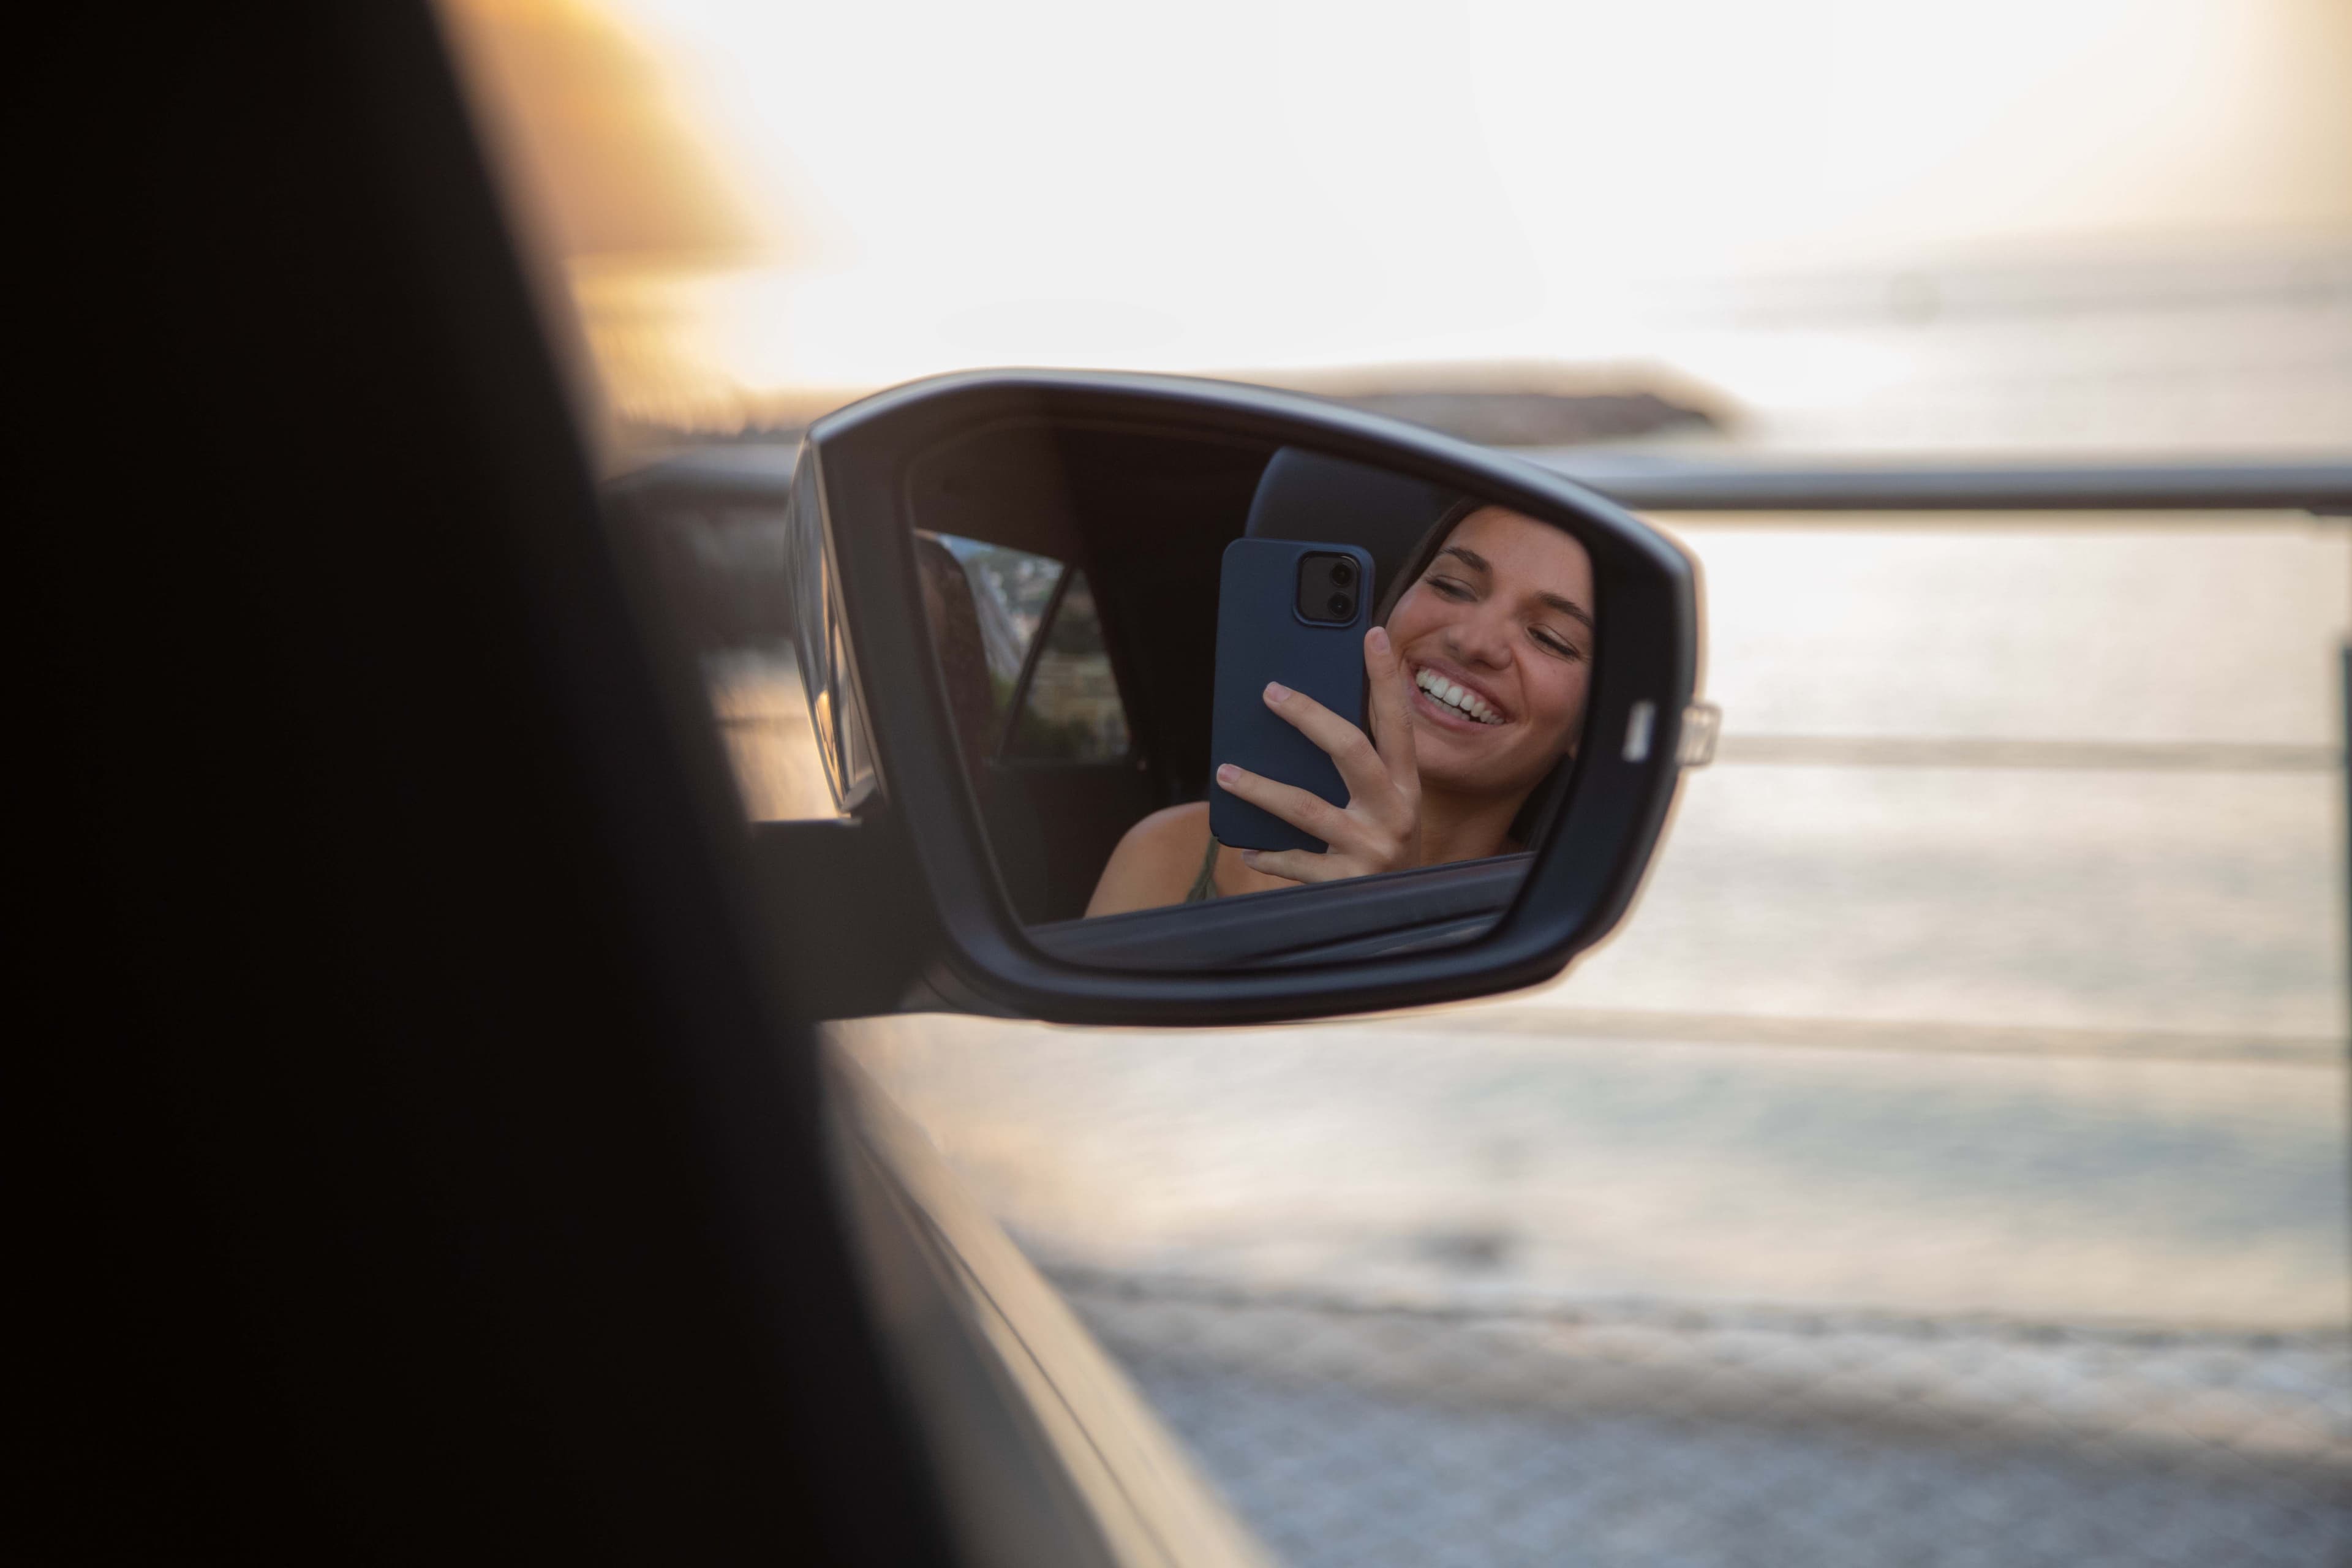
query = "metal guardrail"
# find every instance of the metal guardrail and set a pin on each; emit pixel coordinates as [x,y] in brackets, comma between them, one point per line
[1990,751]
[1645,482]
[1656,484]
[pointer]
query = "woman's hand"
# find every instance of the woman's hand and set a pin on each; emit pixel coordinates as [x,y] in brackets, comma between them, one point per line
[1380,827]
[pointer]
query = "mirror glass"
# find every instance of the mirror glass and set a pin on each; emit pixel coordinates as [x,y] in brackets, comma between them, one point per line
[1222,704]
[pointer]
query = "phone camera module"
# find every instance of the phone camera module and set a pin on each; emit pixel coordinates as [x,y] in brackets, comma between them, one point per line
[1326,588]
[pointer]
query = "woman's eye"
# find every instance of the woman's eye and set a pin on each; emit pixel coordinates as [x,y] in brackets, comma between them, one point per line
[1559,645]
[1448,587]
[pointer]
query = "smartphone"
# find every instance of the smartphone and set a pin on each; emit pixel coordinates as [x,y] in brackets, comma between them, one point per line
[1293,612]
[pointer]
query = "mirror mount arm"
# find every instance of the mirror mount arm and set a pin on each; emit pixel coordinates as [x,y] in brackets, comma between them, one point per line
[846,900]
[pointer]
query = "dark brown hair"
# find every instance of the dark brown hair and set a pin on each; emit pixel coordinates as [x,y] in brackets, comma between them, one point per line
[1423,552]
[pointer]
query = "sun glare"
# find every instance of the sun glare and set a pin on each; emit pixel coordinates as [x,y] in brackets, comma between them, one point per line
[763,207]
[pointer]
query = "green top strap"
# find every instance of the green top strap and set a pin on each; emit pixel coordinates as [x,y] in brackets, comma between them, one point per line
[1204,886]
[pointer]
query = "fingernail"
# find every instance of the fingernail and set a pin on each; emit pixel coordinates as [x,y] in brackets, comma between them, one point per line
[1275,691]
[1379,637]
[1249,858]
[1227,773]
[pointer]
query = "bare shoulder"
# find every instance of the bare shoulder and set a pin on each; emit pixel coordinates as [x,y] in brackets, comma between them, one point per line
[1155,861]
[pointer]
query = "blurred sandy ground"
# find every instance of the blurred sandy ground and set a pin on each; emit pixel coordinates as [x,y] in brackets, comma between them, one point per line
[2054,1042]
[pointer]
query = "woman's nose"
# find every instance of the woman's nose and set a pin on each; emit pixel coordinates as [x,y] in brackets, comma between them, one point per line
[1483,638]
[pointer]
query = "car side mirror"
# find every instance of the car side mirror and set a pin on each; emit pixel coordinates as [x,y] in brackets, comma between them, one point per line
[1032,608]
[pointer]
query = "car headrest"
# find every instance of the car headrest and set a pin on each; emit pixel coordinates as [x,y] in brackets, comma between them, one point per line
[1306,496]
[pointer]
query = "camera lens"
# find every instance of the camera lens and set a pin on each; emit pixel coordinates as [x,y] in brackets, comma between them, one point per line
[1343,605]
[1342,574]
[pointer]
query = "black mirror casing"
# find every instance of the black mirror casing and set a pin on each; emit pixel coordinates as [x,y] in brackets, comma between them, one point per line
[918,841]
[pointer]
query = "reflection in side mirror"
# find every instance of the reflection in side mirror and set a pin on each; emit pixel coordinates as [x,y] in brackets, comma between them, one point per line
[1189,680]
[1183,671]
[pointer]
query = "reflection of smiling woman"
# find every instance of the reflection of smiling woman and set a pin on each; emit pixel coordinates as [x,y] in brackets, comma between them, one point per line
[1478,673]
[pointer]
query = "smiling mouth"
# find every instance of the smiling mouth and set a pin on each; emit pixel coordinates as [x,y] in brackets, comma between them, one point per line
[1456,699]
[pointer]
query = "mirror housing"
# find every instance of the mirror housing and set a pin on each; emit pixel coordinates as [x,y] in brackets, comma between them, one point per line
[902,893]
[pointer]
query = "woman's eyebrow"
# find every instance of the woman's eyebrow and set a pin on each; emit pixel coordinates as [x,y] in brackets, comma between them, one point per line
[1569,607]
[1478,562]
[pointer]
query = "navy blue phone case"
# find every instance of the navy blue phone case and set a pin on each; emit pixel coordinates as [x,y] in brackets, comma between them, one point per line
[1261,636]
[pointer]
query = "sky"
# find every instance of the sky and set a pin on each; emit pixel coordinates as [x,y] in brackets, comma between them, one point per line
[754,204]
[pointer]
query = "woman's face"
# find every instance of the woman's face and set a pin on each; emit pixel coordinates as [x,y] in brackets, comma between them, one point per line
[1497,638]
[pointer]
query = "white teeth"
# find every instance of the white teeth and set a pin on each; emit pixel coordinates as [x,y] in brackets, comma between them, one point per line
[1469,702]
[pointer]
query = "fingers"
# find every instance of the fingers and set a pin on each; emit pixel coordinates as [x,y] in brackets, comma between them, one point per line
[1359,765]
[1392,694]
[1302,809]
[1298,864]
